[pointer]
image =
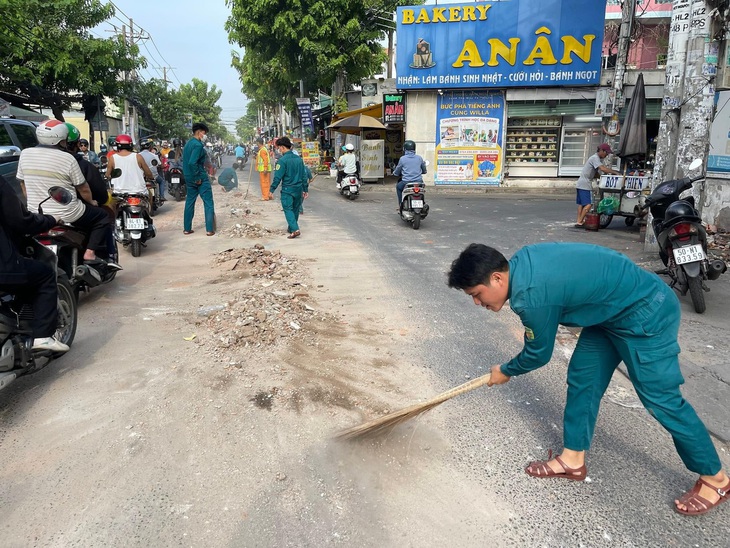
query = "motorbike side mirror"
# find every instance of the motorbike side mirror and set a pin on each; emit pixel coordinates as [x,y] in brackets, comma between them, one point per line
[697,162]
[116,173]
[60,194]
[9,151]
[155,163]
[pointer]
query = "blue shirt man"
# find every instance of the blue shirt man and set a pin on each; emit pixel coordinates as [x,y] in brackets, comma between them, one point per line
[240,151]
[410,169]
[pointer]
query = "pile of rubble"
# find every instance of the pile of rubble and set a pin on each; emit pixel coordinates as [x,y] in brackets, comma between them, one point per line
[251,230]
[718,246]
[274,307]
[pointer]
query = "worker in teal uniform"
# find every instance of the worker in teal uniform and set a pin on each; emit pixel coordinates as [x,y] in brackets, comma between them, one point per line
[228,179]
[290,173]
[627,314]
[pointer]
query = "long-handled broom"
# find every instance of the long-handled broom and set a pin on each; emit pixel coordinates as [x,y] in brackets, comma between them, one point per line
[377,426]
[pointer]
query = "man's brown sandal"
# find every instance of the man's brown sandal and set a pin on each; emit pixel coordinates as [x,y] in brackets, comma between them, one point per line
[696,504]
[294,234]
[540,469]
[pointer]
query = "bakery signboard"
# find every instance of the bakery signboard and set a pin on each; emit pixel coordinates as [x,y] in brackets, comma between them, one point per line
[501,44]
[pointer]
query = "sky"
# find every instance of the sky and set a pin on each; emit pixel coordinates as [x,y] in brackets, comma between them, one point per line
[189,36]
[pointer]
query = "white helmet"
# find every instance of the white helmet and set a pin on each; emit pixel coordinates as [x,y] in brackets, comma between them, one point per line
[350,147]
[209,144]
[51,132]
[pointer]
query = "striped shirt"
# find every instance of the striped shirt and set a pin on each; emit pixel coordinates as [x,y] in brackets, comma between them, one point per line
[42,167]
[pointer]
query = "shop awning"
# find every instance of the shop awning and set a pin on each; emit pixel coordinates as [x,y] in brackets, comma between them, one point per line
[376,111]
[574,108]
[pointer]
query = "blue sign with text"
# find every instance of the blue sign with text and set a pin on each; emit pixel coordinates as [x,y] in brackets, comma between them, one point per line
[501,44]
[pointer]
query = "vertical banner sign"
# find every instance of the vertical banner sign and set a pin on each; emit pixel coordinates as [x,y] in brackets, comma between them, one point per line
[502,44]
[371,158]
[469,128]
[718,161]
[394,108]
[305,113]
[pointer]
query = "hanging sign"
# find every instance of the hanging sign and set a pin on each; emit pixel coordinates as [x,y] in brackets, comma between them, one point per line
[501,44]
[394,108]
[305,112]
[469,129]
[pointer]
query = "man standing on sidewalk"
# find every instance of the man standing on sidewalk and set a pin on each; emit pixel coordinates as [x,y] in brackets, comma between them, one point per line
[291,174]
[263,166]
[584,186]
[197,182]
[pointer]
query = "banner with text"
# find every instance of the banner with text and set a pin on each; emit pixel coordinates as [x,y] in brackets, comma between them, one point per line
[371,159]
[305,113]
[469,130]
[505,44]
[394,108]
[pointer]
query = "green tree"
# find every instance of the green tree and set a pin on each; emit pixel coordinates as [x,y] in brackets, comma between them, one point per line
[51,58]
[160,108]
[200,101]
[246,125]
[315,41]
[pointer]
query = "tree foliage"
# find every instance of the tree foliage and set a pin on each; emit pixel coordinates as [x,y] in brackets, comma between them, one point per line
[246,125]
[51,58]
[315,41]
[166,112]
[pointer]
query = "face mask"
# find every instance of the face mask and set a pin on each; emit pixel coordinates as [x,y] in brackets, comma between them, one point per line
[204,138]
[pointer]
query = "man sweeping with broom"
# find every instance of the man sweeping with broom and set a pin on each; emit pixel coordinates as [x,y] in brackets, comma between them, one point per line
[627,314]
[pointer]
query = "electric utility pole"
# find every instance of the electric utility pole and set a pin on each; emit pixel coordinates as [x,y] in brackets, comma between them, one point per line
[628,11]
[688,103]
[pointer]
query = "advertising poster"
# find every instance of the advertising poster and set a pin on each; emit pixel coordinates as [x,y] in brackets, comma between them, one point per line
[394,108]
[718,161]
[500,44]
[469,146]
[371,159]
[310,154]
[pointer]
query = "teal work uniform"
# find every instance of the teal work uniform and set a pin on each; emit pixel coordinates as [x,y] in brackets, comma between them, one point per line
[291,174]
[193,164]
[228,179]
[627,314]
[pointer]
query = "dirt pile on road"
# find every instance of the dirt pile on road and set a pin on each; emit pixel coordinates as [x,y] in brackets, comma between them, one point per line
[718,246]
[251,230]
[272,307]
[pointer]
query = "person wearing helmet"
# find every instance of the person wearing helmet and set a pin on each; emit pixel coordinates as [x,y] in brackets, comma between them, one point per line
[347,163]
[134,169]
[584,186]
[112,147]
[34,280]
[197,182]
[88,154]
[410,169]
[153,163]
[49,164]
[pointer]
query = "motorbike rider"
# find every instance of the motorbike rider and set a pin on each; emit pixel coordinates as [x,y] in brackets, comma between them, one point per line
[150,159]
[134,168]
[410,169]
[88,154]
[347,164]
[49,164]
[29,278]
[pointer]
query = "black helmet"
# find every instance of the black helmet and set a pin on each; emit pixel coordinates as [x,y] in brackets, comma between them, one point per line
[176,142]
[409,145]
[680,211]
[147,143]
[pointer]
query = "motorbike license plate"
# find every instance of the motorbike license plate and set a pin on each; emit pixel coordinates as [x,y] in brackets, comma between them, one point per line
[689,254]
[416,203]
[353,188]
[53,247]
[135,223]
[176,180]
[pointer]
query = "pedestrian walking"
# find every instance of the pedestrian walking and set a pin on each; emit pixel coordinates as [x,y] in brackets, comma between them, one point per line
[197,183]
[263,166]
[291,174]
[627,314]
[584,186]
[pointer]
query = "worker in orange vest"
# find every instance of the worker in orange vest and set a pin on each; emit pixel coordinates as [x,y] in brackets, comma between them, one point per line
[263,166]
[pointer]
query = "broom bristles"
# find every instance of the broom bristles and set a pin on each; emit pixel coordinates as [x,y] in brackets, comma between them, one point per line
[376,426]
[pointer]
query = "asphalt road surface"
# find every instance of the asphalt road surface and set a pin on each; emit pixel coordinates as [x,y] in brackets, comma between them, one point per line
[635,473]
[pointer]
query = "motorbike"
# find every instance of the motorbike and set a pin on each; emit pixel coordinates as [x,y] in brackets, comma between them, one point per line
[682,239]
[176,182]
[17,357]
[239,162]
[69,243]
[350,186]
[133,225]
[413,206]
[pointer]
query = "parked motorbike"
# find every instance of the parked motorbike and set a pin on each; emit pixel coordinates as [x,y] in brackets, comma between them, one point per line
[69,244]
[413,206]
[682,239]
[176,182]
[350,186]
[17,357]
